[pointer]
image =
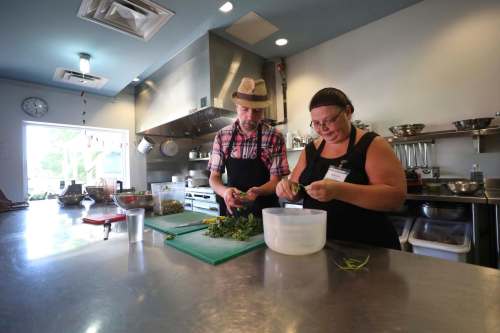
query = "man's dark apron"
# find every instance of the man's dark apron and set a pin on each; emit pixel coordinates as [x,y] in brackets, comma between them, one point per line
[245,174]
[346,221]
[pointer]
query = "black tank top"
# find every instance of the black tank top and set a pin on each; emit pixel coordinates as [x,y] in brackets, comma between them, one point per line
[346,221]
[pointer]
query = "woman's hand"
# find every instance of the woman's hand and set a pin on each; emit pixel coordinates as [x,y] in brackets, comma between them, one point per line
[324,190]
[287,189]
[231,199]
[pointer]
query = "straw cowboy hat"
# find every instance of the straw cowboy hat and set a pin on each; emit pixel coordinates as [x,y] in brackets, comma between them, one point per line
[251,94]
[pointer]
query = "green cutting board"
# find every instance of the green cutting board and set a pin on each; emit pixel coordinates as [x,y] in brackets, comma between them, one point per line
[167,223]
[214,250]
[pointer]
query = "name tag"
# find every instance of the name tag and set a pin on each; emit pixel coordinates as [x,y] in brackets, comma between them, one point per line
[337,174]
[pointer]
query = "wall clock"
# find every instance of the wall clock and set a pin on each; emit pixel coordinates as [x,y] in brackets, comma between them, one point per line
[35,106]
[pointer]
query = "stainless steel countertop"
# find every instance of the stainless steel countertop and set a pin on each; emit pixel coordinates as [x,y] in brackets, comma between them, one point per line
[58,275]
[448,196]
[493,196]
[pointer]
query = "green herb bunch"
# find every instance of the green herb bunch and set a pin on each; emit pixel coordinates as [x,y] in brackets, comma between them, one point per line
[239,228]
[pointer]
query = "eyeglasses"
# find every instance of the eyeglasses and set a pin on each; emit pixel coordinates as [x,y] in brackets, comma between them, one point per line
[328,122]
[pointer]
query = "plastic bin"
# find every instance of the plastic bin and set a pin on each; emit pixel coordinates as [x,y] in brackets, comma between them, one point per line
[167,191]
[441,239]
[402,224]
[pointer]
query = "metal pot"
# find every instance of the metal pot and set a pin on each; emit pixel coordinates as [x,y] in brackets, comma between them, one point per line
[463,186]
[472,124]
[146,145]
[193,154]
[443,211]
[169,148]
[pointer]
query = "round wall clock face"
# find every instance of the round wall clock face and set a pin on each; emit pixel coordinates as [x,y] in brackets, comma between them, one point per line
[35,107]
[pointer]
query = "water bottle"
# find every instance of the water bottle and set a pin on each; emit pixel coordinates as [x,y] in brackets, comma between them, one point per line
[476,175]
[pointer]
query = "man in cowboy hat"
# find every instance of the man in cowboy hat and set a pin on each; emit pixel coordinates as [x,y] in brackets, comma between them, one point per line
[253,153]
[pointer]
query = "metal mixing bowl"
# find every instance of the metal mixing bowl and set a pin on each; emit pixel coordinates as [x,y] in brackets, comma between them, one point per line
[70,199]
[406,130]
[129,201]
[463,186]
[472,124]
[443,211]
[96,193]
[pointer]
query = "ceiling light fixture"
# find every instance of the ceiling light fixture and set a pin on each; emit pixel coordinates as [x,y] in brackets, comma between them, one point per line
[84,63]
[281,41]
[136,79]
[226,7]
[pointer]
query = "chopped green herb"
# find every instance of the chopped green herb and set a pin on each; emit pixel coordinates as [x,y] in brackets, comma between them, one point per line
[239,228]
[351,264]
[169,237]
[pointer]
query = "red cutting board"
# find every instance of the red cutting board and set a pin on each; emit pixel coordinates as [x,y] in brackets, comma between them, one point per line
[101,219]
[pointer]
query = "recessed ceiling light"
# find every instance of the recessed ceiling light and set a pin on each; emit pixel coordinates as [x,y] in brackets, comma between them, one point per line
[84,63]
[226,7]
[281,41]
[136,79]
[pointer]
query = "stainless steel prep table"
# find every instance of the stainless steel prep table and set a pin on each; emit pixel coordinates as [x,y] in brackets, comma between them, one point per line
[57,277]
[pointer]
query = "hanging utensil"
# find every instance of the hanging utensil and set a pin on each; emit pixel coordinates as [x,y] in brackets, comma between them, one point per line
[426,161]
[420,156]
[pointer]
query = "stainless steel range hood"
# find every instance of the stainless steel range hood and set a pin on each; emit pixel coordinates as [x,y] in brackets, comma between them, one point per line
[191,94]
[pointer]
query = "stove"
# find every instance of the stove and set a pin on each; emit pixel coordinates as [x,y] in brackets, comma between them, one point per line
[201,199]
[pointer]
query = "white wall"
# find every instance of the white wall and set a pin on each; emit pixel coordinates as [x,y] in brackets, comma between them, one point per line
[435,62]
[65,107]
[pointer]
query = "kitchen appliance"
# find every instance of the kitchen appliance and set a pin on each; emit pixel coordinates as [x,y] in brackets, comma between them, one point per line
[201,199]
[463,186]
[406,130]
[294,231]
[197,182]
[211,69]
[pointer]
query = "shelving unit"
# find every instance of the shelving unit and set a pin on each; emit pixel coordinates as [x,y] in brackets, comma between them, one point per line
[295,149]
[475,134]
[199,159]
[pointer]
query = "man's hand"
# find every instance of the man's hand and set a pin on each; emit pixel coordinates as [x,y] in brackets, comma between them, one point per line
[324,190]
[252,194]
[231,199]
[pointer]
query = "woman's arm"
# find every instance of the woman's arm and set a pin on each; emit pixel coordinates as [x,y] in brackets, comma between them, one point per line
[387,188]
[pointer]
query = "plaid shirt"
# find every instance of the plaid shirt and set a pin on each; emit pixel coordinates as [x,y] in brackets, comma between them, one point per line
[273,149]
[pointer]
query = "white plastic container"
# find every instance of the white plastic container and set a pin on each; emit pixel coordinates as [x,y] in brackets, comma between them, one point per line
[402,224]
[294,231]
[167,191]
[441,239]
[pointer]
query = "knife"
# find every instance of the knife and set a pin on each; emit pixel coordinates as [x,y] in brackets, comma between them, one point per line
[189,224]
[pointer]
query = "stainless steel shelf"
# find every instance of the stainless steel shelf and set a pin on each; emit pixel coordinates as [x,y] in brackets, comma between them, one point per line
[296,149]
[476,136]
[199,159]
[445,134]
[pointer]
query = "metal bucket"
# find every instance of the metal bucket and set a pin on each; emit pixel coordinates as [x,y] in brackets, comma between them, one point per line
[146,145]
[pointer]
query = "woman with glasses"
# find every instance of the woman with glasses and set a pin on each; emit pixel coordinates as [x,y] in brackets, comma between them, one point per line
[352,174]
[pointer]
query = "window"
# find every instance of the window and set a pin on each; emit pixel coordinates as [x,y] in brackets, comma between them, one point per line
[58,154]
